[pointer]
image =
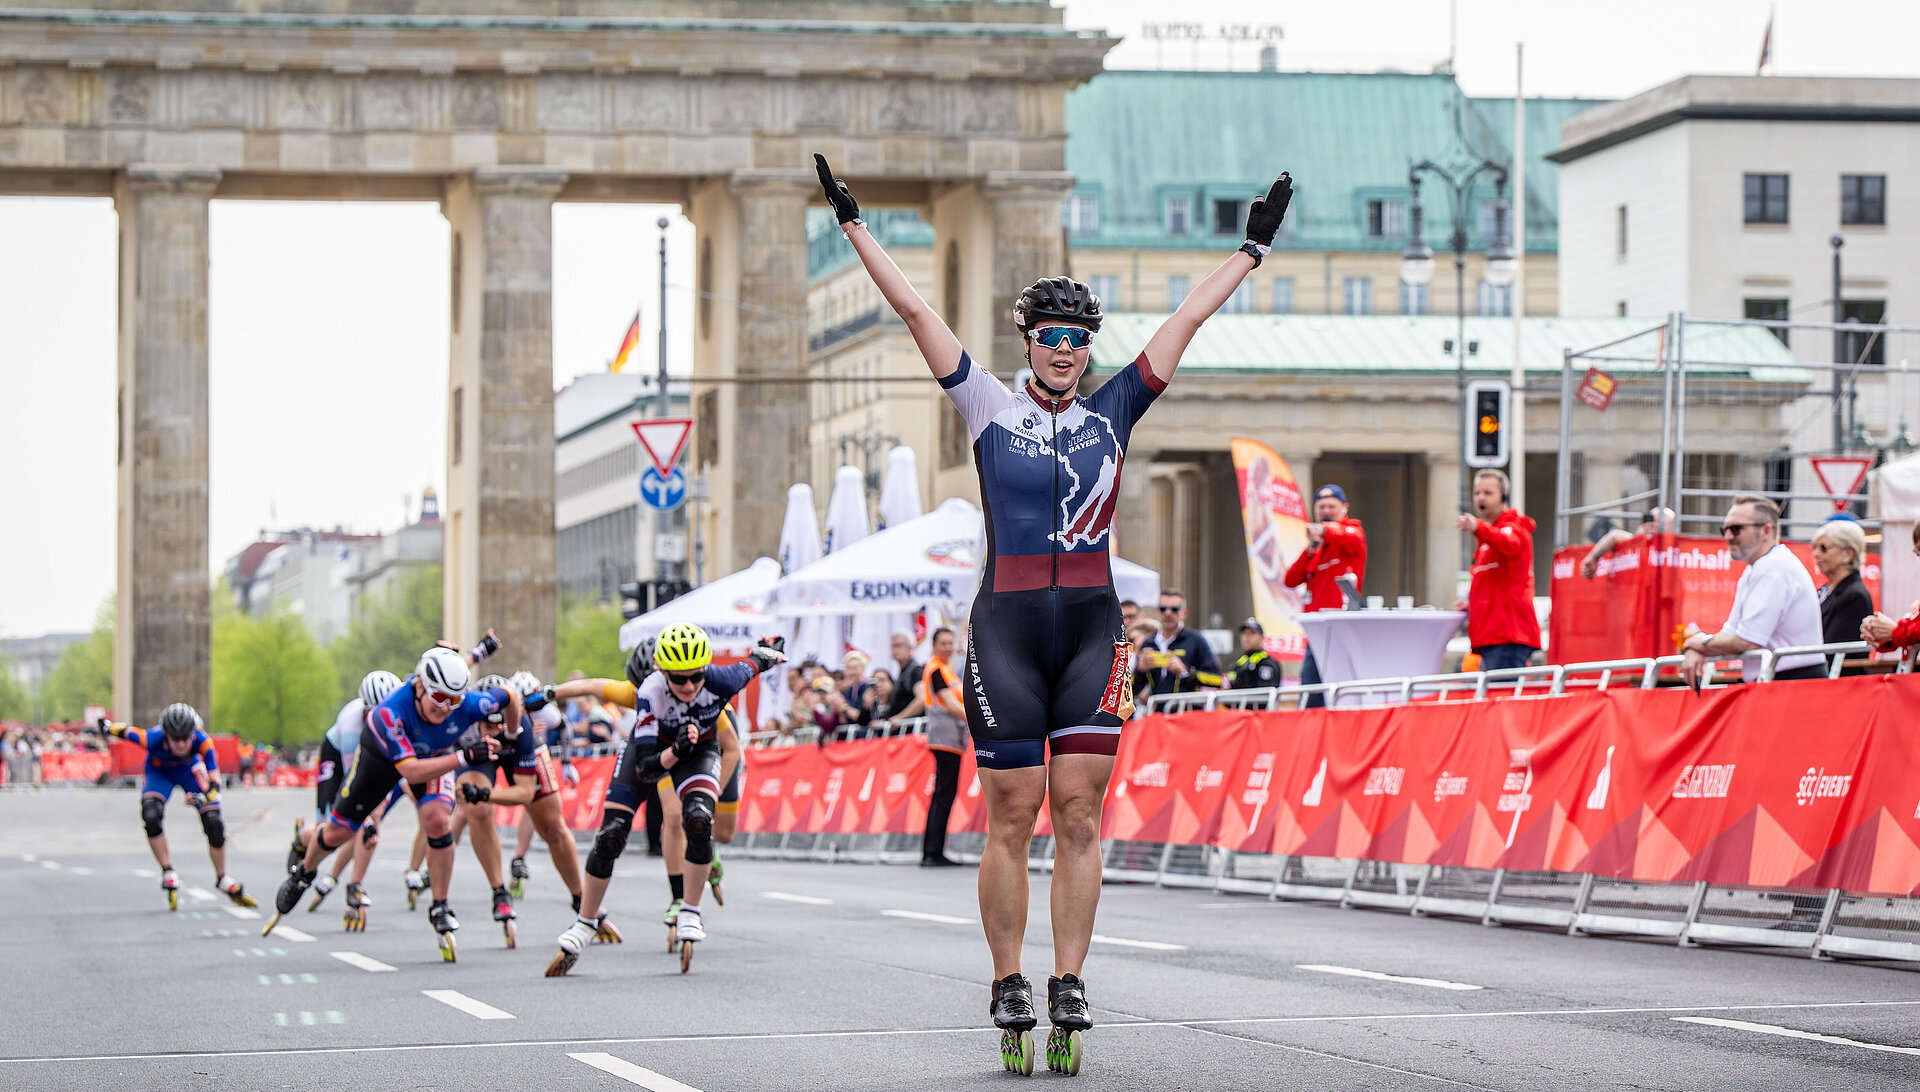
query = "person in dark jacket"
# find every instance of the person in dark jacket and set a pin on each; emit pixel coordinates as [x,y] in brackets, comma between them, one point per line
[1254,669]
[1839,546]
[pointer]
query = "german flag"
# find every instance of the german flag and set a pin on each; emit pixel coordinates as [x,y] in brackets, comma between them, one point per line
[627,343]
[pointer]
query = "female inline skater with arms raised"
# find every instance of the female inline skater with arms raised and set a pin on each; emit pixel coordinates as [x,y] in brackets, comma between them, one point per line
[1046,647]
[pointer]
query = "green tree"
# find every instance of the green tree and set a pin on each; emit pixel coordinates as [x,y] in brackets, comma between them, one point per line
[589,640]
[14,703]
[84,675]
[390,634]
[272,682]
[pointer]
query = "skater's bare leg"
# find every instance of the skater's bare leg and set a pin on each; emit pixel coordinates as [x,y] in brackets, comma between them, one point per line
[219,858]
[327,837]
[694,873]
[1077,785]
[419,853]
[673,836]
[724,825]
[524,839]
[348,854]
[486,836]
[544,815]
[594,888]
[1013,802]
[162,856]
[436,820]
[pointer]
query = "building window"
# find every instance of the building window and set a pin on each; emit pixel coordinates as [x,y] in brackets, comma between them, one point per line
[1080,214]
[1386,219]
[706,435]
[1771,310]
[1108,289]
[1863,198]
[1413,299]
[1283,295]
[1229,217]
[1620,234]
[458,427]
[1766,199]
[1620,308]
[1179,214]
[1176,291]
[1241,302]
[1358,293]
[1495,300]
[1487,218]
[1865,346]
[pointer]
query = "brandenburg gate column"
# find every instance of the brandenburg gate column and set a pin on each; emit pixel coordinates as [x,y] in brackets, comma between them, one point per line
[162,628]
[500,560]
[750,333]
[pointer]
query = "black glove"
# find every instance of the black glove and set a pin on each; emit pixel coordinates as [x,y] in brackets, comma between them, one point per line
[476,794]
[1265,213]
[103,726]
[845,208]
[778,644]
[369,831]
[685,742]
[481,751]
[648,771]
[765,655]
[489,645]
[537,700]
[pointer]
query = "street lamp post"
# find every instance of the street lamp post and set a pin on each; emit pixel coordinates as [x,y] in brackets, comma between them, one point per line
[1417,267]
[661,398]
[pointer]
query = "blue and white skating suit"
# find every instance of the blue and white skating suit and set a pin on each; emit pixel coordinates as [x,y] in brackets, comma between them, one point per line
[1041,651]
[659,718]
[166,771]
[396,735]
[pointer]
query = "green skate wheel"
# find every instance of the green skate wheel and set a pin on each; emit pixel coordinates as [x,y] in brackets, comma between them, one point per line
[1016,1052]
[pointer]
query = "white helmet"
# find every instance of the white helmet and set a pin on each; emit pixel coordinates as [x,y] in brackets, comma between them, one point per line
[524,683]
[488,682]
[445,670]
[375,688]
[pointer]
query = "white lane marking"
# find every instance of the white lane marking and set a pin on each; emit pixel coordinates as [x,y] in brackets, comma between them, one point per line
[806,900]
[915,915]
[288,932]
[365,963]
[1196,1024]
[80,870]
[28,857]
[51,866]
[145,873]
[1381,976]
[477,1009]
[245,914]
[1150,945]
[1775,1029]
[632,1074]
[200,893]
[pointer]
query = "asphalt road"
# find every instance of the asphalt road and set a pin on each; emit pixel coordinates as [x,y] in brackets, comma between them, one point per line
[853,977]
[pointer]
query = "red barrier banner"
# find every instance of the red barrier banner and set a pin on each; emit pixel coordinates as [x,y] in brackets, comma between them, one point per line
[1728,786]
[87,766]
[1647,590]
[291,777]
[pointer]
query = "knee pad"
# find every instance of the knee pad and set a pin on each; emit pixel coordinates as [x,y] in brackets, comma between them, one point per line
[215,827]
[443,841]
[696,816]
[609,844]
[152,811]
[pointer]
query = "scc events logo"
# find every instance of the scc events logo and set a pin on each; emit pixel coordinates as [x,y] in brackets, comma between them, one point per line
[954,553]
[1818,784]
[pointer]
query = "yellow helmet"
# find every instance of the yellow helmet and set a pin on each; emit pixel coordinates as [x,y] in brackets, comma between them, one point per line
[682,646]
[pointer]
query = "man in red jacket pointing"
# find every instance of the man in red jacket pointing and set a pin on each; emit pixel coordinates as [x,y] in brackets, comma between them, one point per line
[1336,546]
[1501,625]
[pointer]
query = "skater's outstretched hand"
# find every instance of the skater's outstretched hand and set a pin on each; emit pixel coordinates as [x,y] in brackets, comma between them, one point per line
[1266,212]
[481,751]
[845,208]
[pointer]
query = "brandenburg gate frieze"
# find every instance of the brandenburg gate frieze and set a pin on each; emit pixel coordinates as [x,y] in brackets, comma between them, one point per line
[957,109]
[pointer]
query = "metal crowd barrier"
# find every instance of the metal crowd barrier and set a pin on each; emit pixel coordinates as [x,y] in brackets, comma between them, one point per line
[1821,922]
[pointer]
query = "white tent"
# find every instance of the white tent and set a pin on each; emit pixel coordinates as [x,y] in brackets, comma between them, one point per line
[846,527]
[929,562]
[899,502]
[731,609]
[1135,582]
[1894,499]
[800,547]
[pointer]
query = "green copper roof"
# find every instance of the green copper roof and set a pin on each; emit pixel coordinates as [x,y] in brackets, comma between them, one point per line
[1134,138]
[1413,344]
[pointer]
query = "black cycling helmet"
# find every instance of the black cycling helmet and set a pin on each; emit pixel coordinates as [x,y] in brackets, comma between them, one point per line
[640,661]
[1057,299]
[179,721]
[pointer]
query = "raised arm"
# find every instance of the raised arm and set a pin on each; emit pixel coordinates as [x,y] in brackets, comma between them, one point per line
[938,346]
[1170,341]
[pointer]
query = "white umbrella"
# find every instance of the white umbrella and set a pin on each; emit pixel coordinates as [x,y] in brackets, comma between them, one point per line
[732,609]
[899,502]
[929,562]
[799,548]
[1135,582]
[846,527]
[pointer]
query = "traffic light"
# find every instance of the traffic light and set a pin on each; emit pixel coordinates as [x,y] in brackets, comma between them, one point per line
[1487,405]
[633,600]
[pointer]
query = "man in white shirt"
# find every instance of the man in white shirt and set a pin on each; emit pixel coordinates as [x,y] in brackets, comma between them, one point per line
[1774,604]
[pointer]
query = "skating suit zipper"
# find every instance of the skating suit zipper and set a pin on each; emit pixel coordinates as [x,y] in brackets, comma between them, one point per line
[1053,412]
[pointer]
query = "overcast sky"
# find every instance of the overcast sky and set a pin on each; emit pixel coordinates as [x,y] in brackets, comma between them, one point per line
[329,321]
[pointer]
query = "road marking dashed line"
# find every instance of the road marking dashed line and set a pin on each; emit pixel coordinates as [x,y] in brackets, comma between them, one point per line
[1149,945]
[1382,976]
[633,1074]
[1791,1033]
[478,1009]
[915,915]
[365,963]
[244,913]
[807,900]
[200,893]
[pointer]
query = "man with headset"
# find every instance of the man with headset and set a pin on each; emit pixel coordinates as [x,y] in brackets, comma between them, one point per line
[1501,624]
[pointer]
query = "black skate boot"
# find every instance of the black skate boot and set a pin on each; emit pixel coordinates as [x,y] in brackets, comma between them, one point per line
[1067,1012]
[518,870]
[296,884]
[444,923]
[503,913]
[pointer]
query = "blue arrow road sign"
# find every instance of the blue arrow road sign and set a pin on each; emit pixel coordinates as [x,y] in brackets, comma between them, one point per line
[666,494]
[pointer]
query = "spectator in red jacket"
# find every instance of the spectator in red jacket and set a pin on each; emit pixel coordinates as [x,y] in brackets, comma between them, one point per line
[1501,625]
[1336,546]
[1882,632]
